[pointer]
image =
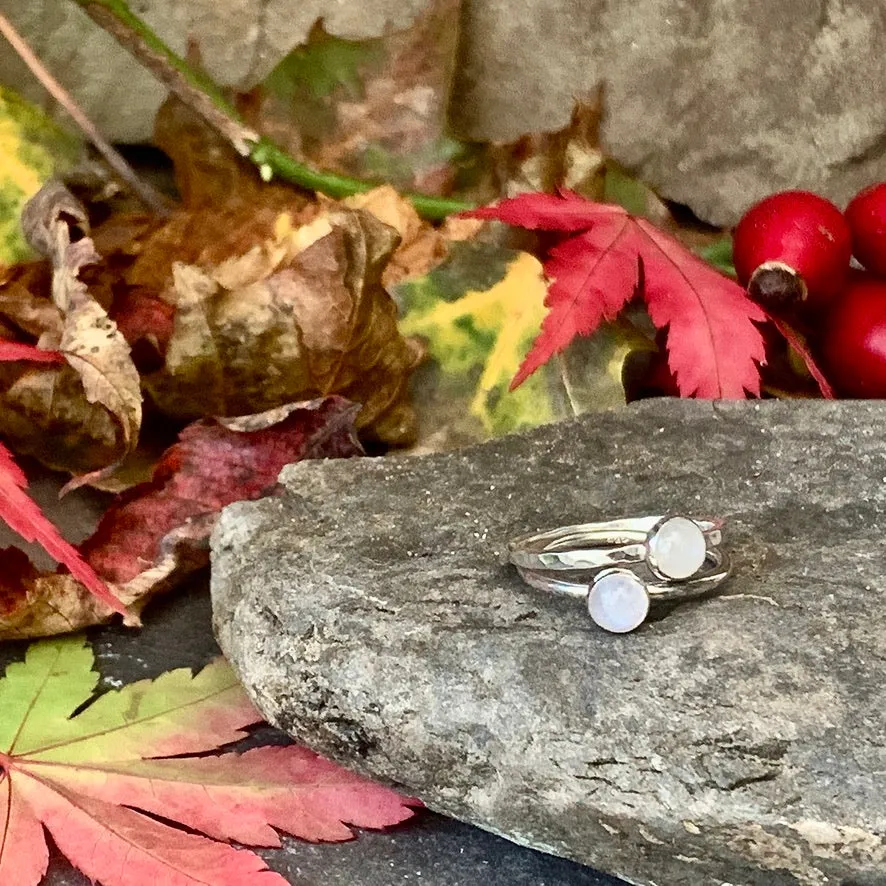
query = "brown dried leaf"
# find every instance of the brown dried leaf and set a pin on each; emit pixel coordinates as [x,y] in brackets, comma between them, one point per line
[570,157]
[28,314]
[42,604]
[301,315]
[209,173]
[44,413]
[422,246]
[96,350]
[87,415]
[48,220]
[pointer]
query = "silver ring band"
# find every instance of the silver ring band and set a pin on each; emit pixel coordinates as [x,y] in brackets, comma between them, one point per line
[715,571]
[622,567]
[624,542]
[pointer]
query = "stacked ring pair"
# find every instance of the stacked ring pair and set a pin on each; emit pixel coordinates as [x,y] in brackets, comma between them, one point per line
[623,566]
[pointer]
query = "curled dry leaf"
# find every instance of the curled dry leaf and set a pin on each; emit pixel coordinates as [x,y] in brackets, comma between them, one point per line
[42,604]
[158,533]
[299,316]
[84,416]
[422,246]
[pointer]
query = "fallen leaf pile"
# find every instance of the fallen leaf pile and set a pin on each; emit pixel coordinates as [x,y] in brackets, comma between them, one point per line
[100,778]
[264,325]
[250,303]
[299,313]
[158,532]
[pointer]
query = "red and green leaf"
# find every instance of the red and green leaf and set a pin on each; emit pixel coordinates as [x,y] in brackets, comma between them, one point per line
[95,780]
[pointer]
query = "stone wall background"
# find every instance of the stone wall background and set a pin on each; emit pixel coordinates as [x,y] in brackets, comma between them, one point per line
[714,102]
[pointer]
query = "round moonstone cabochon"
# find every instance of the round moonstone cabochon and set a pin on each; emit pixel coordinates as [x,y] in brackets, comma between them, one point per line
[677,548]
[618,601]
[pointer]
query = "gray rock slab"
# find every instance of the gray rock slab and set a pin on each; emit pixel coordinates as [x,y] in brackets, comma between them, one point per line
[737,739]
[716,103]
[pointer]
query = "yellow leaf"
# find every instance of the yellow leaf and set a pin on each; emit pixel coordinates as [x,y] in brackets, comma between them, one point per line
[483,335]
[32,150]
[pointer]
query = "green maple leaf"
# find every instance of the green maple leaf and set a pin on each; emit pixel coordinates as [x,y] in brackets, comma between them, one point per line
[88,779]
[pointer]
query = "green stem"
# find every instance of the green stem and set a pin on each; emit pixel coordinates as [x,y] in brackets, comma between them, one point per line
[273,160]
[201,94]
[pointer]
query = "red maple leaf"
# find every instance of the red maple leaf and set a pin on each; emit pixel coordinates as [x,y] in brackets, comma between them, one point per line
[23,515]
[14,350]
[604,257]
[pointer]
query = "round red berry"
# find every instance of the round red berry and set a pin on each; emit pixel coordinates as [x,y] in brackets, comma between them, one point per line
[866,215]
[854,342]
[793,246]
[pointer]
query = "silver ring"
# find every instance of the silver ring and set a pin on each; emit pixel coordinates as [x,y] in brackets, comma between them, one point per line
[618,600]
[672,546]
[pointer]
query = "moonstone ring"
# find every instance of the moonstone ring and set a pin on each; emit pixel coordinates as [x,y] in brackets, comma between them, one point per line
[673,547]
[618,599]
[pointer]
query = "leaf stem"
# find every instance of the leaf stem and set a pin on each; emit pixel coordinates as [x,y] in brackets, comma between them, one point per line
[148,195]
[204,97]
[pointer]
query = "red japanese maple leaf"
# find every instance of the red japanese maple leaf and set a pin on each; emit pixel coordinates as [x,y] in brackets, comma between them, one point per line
[604,258]
[22,514]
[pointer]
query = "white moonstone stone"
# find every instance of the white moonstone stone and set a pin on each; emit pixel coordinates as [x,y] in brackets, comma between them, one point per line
[618,601]
[677,548]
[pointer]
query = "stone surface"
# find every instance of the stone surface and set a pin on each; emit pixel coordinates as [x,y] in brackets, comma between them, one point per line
[738,739]
[715,102]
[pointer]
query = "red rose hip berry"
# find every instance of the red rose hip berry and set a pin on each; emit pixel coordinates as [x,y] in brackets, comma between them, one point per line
[854,345]
[792,248]
[866,215]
